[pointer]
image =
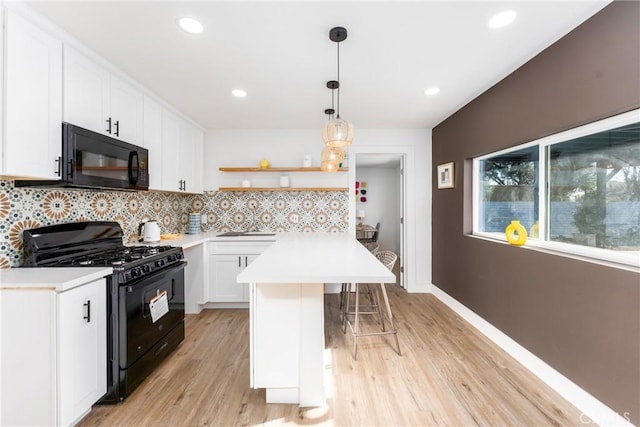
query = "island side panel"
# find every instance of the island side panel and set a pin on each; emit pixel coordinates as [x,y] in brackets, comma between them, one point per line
[287,342]
[275,314]
[312,391]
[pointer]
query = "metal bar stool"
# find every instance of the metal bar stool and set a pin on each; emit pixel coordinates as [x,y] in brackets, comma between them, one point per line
[388,258]
[373,248]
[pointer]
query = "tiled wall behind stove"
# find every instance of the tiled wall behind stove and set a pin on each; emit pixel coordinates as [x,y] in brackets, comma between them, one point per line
[24,208]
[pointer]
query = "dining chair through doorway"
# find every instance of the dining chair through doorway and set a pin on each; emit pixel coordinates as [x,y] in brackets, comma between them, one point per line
[374,236]
[388,259]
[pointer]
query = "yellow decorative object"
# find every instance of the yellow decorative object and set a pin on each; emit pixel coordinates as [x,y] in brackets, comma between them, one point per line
[515,233]
[533,232]
[264,163]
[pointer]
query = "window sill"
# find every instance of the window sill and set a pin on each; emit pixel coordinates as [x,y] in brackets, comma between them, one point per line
[539,247]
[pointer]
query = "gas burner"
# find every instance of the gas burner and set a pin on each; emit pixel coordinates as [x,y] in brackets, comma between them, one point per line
[120,253]
[117,261]
[85,262]
[151,251]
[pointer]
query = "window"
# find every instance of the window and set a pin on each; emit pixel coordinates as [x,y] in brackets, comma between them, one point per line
[577,191]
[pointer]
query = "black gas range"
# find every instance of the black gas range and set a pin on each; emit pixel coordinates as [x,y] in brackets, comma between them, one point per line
[136,342]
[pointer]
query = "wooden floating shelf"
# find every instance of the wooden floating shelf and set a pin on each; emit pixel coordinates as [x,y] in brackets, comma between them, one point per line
[283,189]
[291,169]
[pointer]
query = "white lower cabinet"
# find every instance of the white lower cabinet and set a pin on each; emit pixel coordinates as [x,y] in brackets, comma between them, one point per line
[225,261]
[224,270]
[53,364]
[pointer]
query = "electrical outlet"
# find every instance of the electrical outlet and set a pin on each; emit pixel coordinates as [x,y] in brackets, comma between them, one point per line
[203,218]
[294,218]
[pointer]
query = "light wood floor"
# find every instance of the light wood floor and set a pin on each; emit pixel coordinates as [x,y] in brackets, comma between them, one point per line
[448,375]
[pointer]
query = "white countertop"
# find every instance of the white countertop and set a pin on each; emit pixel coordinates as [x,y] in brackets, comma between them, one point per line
[54,278]
[190,240]
[61,279]
[316,258]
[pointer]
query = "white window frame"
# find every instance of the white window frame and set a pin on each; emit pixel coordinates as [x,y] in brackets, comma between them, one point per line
[543,143]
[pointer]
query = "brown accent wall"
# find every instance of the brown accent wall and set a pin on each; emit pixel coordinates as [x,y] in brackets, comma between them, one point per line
[581,318]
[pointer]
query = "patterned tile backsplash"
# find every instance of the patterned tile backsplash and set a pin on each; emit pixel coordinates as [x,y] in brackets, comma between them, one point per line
[24,208]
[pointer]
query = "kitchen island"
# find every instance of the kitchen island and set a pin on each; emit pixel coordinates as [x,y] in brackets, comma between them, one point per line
[287,309]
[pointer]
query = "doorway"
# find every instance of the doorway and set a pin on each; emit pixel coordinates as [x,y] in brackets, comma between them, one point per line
[380,199]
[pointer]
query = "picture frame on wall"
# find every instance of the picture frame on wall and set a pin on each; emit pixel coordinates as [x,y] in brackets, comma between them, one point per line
[446,175]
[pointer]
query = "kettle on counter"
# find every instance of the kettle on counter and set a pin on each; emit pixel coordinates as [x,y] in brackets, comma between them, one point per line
[149,232]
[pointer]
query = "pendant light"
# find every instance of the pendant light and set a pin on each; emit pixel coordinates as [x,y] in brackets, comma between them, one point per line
[331,156]
[337,132]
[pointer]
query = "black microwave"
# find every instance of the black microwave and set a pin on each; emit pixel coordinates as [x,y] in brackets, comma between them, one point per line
[93,160]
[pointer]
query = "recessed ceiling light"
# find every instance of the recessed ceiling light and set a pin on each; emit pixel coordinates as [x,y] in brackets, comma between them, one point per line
[239,93]
[190,25]
[502,19]
[432,91]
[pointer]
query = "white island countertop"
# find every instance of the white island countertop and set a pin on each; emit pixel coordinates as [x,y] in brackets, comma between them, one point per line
[54,278]
[316,258]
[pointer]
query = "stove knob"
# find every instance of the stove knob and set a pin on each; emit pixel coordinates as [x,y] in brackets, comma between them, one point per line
[172,258]
[135,272]
[159,263]
[145,268]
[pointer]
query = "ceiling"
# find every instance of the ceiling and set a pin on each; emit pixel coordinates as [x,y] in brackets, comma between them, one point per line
[280,53]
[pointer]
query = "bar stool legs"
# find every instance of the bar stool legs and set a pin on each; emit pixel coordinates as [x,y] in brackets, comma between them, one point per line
[355,326]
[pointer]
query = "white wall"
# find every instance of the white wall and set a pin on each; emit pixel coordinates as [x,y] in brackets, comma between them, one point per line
[286,148]
[383,203]
[281,147]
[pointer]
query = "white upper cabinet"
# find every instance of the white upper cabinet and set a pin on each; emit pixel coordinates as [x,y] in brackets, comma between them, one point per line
[198,161]
[170,149]
[152,140]
[33,100]
[97,100]
[47,82]
[2,155]
[126,111]
[86,92]
[190,155]
[181,154]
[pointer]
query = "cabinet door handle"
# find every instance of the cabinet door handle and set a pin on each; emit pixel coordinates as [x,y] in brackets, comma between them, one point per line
[246,262]
[88,316]
[109,123]
[59,168]
[239,261]
[117,125]
[184,188]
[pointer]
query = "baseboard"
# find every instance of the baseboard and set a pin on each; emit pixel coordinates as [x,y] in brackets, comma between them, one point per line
[595,412]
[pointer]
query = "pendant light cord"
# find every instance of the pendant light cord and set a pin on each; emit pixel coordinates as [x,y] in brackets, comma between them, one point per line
[338,104]
[333,107]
